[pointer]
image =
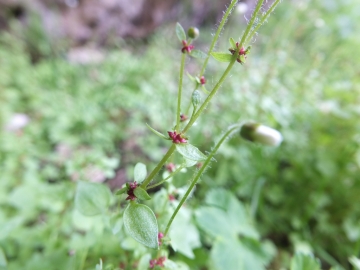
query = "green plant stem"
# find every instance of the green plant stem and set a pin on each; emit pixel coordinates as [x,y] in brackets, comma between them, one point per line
[250,24]
[158,166]
[178,111]
[230,131]
[217,34]
[209,97]
[263,19]
[169,176]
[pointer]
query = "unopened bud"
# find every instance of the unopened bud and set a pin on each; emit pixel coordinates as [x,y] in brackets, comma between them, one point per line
[193,32]
[196,98]
[261,134]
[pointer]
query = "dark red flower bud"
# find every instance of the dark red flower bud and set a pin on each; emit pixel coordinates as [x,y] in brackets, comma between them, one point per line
[202,80]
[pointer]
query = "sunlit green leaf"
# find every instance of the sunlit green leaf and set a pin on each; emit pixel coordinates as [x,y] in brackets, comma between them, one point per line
[141,224]
[141,194]
[198,54]
[180,32]
[190,152]
[139,172]
[232,43]
[222,57]
[304,262]
[92,198]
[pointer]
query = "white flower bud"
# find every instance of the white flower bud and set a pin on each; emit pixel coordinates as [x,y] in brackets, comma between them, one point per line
[262,134]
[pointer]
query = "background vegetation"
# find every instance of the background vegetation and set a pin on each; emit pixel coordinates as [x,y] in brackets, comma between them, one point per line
[87,122]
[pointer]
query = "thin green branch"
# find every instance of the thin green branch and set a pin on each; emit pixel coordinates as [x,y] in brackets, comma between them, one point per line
[250,24]
[263,19]
[217,34]
[209,97]
[169,176]
[231,130]
[178,111]
[158,166]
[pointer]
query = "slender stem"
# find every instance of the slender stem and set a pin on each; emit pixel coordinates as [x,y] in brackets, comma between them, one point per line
[159,166]
[217,34]
[250,24]
[230,131]
[169,176]
[210,96]
[263,19]
[178,112]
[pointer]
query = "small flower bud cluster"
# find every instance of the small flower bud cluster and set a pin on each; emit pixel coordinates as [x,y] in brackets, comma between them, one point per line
[242,53]
[176,138]
[160,262]
[187,47]
[130,192]
[255,132]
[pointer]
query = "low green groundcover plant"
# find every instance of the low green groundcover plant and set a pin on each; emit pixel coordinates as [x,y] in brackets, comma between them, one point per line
[67,128]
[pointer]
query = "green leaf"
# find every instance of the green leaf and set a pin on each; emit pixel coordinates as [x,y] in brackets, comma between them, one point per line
[189,162]
[190,152]
[141,194]
[157,133]
[121,191]
[180,32]
[139,172]
[3,261]
[184,243]
[355,262]
[92,198]
[304,262]
[232,43]
[140,223]
[222,57]
[198,54]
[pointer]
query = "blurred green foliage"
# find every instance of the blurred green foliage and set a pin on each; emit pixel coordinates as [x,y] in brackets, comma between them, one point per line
[87,121]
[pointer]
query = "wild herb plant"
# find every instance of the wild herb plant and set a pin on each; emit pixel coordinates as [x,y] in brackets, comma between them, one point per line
[139,219]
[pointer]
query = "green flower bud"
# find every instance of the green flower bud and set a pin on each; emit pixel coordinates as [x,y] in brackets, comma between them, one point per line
[193,32]
[256,132]
[196,98]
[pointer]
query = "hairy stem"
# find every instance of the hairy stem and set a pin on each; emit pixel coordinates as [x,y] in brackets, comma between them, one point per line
[263,19]
[178,111]
[250,24]
[227,134]
[209,97]
[159,166]
[169,176]
[217,34]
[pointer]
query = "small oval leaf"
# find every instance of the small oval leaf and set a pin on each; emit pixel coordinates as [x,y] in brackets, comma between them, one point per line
[140,223]
[222,57]
[92,198]
[189,162]
[141,194]
[139,172]
[198,54]
[121,191]
[180,32]
[191,152]
[232,43]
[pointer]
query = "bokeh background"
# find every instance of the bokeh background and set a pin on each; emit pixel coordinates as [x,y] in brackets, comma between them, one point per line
[79,80]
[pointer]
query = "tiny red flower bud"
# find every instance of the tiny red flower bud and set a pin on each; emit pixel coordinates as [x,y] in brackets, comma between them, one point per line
[131,187]
[160,261]
[176,138]
[183,117]
[170,167]
[152,263]
[186,47]
[171,197]
[202,80]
